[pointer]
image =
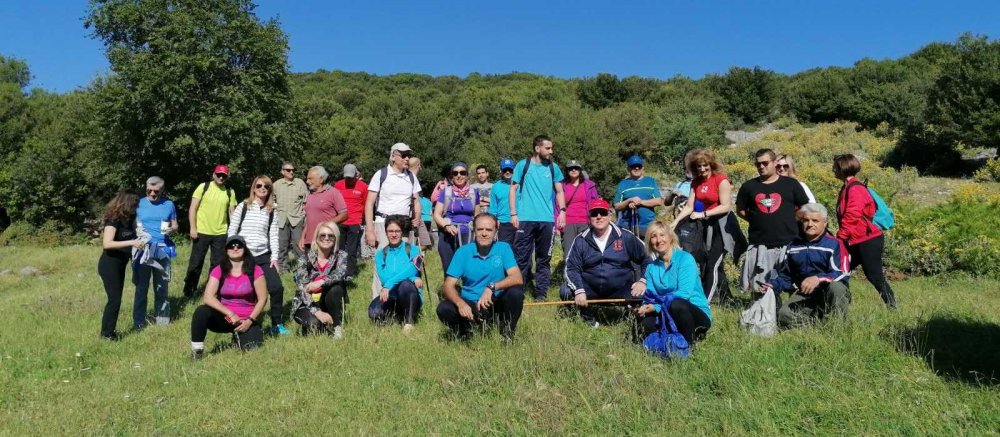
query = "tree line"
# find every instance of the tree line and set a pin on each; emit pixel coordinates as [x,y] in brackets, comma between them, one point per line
[195,83]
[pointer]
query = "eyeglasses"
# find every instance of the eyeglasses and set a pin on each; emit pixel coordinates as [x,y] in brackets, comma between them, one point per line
[326,237]
[221,175]
[234,246]
[783,166]
[460,173]
[599,213]
[288,169]
[259,186]
[762,163]
[152,191]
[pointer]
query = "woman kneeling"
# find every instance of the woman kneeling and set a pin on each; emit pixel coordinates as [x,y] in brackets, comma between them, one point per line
[234,298]
[396,266]
[674,273]
[320,277]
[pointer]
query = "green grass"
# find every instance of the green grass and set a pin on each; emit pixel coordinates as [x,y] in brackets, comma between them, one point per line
[876,373]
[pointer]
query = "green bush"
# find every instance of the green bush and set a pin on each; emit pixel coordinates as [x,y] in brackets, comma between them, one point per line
[49,234]
[989,172]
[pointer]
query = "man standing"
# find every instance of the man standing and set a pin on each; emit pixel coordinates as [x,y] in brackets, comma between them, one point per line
[289,204]
[815,273]
[156,217]
[393,190]
[500,203]
[324,203]
[637,196]
[534,186]
[768,203]
[211,204]
[355,193]
[491,284]
[482,185]
[604,262]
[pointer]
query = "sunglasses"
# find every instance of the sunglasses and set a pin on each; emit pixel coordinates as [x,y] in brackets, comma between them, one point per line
[635,167]
[151,191]
[783,166]
[233,246]
[405,155]
[326,237]
[599,213]
[460,173]
[288,169]
[574,169]
[762,163]
[259,186]
[507,170]
[221,175]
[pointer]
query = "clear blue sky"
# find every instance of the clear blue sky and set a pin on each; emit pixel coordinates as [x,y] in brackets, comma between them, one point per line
[560,38]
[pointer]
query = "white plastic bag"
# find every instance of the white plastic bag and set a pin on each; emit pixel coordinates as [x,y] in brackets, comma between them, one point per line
[761,318]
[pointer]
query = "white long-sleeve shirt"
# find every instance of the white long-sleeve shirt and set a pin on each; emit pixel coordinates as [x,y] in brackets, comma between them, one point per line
[260,239]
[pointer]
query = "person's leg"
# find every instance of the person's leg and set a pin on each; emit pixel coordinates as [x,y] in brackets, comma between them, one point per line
[111,269]
[199,248]
[447,312]
[332,301]
[507,308]
[296,234]
[524,246]
[446,249]
[383,241]
[837,299]
[407,299]
[275,289]
[544,238]
[251,339]
[507,233]
[141,275]
[353,246]
[691,321]
[218,243]
[204,319]
[647,325]
[797,310]
[284,238]
[161,283]
[310,324]
[871,263]
[379,312]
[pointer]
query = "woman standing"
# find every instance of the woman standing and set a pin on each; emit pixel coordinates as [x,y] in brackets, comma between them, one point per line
[318,304]
[786,167]
[456,205]
[397,268]
[579,191]
[675,274]
[864,240]
[118,238]
[234,298]
[253,219]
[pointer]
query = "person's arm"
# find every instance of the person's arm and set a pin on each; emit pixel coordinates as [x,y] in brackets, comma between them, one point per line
[443,222]
[561,201]
[657,199]
[340,205]
[725,201]
[853,213]
[234,219]
[688,279]
[108,241]
[780,281]
[513,279]
[619,202]
[637,257]
[840,264]
[232,201]
[686,210]
[742,198]
[512,202]
[193,217]
[272,238]
[370,213]
[417,208]
[210,298]
[574,267]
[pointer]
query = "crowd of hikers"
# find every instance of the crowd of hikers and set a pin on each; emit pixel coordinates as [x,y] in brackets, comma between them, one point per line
[623,260]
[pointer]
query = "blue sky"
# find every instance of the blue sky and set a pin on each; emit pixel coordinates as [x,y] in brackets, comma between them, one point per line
[559,38]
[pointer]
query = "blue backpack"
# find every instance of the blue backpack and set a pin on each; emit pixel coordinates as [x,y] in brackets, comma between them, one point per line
[884,217]
[666,342]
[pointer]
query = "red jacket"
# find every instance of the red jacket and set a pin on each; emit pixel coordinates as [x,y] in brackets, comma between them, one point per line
[854,213]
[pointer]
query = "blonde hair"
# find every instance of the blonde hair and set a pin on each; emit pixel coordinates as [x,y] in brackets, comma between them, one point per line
[791,164]
[269,204]
[332,226]
[699,156]
[661,227]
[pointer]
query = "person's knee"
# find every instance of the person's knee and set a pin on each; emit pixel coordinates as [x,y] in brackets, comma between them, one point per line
[513,294]
[203,312]
[446,312]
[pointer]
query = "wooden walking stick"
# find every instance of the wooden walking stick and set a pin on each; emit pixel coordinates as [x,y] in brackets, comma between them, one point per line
[589,301]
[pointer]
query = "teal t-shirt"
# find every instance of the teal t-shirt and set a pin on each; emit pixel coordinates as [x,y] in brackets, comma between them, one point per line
[499,201]
[537,197]
[426,209]
[476,272]
[644,188]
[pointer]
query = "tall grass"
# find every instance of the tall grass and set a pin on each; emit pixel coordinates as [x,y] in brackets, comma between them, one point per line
[872,374]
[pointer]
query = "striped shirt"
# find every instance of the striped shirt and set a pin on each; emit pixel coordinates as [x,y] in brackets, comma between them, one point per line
[260,239]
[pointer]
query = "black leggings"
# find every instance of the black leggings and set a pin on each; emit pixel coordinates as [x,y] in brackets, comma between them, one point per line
[403,304]
[331,302]
[869,256]
[111,268]
[275,289]
[206,318]
[713,271]
[691,321]
[506,311]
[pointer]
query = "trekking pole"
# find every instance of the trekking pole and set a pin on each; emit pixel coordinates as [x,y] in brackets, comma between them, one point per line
[589,301]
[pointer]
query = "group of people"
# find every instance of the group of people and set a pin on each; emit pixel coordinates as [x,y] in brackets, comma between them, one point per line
[495,242]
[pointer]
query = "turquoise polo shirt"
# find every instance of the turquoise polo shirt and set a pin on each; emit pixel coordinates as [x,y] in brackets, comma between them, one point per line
[644,188]
[536,200]
[476,272]
[499,201]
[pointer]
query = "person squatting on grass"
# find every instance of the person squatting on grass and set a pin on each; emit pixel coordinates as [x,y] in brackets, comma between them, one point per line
[253,219]
[156,219]
[321,281]
[864,240]
[491,284]
[397,266]
[604,262]
[117,240]
[535,188]
[456,206]
[233,300]
[211,205]
[815,273]
[673,271]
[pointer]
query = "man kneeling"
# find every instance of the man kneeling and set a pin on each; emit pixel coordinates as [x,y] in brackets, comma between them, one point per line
[602,263]
[815,272]
[491,284]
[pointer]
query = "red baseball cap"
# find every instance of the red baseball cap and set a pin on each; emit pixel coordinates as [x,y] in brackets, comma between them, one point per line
[224,169]
[598,203]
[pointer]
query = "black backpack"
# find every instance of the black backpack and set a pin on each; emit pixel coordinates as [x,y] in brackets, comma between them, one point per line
[243,215]
[383,174]
[691,238]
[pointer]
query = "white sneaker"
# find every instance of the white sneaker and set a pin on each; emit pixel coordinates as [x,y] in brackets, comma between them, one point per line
[338,332]
[163,320]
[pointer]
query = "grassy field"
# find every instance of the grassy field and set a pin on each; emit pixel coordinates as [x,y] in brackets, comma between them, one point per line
[931,368]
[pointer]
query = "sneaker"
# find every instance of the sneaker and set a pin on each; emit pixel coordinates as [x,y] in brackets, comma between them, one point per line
[163,321]
[280,329]
[338,332]
[594,324]
[197,354]
[408,328]
[111,337]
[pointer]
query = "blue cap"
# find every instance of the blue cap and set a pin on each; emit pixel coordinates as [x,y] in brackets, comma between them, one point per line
[634,160]
[506,163]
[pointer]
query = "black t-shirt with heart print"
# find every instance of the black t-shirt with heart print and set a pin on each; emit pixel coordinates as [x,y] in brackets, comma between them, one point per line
[770,210]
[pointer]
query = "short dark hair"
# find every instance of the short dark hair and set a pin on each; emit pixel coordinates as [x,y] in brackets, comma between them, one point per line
[496,223]
[482,167]
[846,165]
[770,153]
[540,139]
[399,220]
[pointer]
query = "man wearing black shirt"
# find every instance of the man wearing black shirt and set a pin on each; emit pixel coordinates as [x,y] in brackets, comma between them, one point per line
[768,203]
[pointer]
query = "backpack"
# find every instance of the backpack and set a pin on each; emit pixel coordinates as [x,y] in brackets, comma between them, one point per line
[449,194]
[524,172]
[229,195]
[243,215]
[884,218]
[691,239]
[383,174]
[667,342]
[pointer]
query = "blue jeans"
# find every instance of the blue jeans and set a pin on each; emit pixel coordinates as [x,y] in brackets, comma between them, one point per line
[161,280]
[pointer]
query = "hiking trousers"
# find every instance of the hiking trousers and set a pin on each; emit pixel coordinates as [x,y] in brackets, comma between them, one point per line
[829,298]
[505,312]
[535,238]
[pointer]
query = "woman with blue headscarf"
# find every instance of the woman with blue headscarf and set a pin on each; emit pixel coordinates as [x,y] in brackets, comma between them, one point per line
[453,213]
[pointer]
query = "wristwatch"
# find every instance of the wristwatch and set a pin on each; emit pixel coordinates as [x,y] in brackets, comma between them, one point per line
[492,286]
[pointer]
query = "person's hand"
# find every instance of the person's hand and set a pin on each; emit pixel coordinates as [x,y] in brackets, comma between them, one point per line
[763,287]
[324,318]
[193,233]
[233,319]
[137,243]
[370,236]
[301,244]
[168,232]
[275,265]
[314,286]
[484,202]
[646,309]
[634,202]
[486,300]
[416,223]
[561,221]
[383,295]
[580,299]
[809,284]
[465,311]
[451,229]
[243,326]
[514,221]
[418,283]
[638,289]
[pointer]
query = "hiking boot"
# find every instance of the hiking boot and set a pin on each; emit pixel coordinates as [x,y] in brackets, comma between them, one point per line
[160,320]
[338,332]
[197,354]
[280,329]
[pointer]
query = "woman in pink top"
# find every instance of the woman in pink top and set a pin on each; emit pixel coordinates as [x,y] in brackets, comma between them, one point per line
[579,191]
[233,300]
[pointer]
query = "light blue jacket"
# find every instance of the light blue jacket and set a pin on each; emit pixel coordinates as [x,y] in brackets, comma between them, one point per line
[393,265]
[680,279]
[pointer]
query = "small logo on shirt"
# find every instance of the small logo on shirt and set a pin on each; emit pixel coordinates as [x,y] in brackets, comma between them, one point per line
[768,203]
[618,245]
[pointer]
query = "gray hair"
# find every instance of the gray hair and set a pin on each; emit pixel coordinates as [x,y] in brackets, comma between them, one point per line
[814,208]
[321,172]
[154,181]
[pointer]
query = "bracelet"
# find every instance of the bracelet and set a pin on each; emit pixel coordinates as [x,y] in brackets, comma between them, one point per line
[513,214]
[252,320]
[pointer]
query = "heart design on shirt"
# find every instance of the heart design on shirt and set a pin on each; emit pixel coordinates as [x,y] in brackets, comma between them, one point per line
[769,203]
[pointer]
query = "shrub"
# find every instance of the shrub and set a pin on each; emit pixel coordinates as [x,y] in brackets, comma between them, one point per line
[989,172]
[49,234]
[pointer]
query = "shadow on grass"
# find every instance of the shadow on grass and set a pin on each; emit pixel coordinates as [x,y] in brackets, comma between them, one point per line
[957,349]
